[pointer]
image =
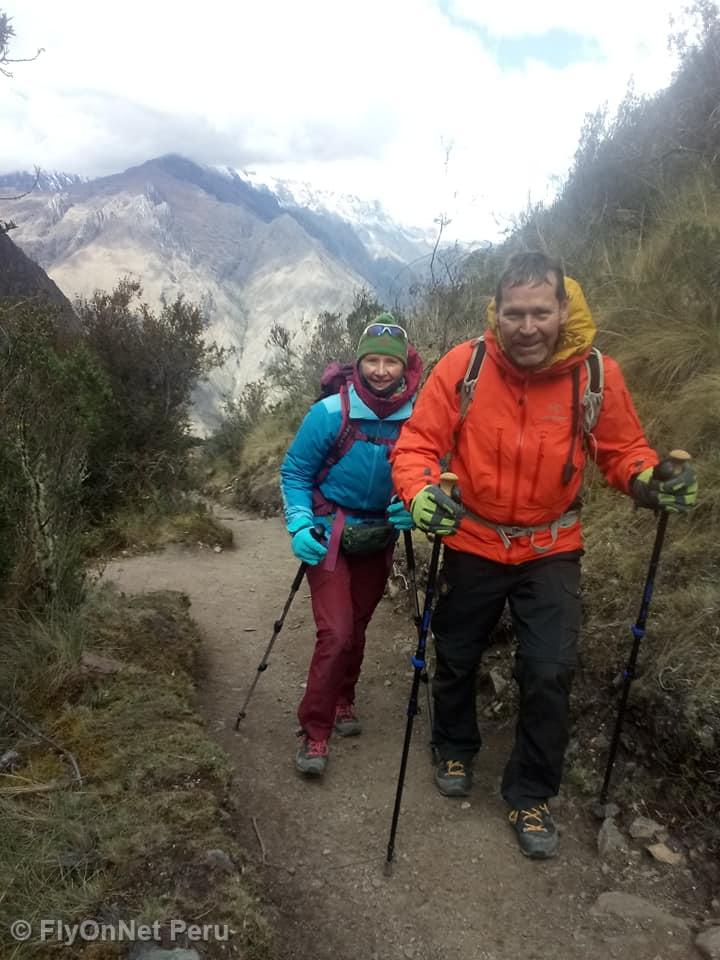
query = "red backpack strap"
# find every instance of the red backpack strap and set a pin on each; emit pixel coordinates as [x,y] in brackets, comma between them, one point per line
[344,438]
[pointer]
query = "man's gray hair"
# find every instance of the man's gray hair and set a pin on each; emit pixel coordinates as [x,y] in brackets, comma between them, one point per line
[531,268]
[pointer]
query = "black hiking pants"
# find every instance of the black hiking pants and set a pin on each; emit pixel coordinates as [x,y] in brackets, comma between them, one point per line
[544,600]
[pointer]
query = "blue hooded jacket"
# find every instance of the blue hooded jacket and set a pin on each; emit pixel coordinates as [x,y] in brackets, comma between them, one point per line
[360,480]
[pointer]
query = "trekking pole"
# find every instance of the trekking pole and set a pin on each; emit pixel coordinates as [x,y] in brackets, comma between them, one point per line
[663,471]
[417,617]
[318,532]
[447,482]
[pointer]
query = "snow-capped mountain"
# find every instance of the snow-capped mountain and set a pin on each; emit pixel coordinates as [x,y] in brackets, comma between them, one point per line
[47,181]
[251,255]
[383,236]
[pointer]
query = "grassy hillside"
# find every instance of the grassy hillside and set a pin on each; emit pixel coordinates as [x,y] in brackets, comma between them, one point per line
[118,807]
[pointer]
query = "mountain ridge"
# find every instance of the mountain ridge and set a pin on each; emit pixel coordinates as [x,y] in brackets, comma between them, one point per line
[250,258]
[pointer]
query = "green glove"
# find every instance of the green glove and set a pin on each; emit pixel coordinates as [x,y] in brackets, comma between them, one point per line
[435,512]
[678,494]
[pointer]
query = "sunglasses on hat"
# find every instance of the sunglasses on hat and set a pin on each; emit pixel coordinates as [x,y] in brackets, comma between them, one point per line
[379,329]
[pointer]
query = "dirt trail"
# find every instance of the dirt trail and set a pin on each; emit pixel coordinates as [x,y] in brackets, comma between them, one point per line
[460,887]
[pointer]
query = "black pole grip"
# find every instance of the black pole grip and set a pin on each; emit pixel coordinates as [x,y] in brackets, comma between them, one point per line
[318,532]
[671,465]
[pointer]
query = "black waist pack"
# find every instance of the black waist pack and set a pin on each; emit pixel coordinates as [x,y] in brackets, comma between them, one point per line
[366,537]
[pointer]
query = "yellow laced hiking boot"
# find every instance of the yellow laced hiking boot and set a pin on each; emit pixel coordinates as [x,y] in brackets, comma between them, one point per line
[536,831]
[453,778]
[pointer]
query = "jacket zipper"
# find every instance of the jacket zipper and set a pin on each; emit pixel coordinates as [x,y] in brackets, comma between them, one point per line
[538,467]
[498,471]
[518,453]
[373,468]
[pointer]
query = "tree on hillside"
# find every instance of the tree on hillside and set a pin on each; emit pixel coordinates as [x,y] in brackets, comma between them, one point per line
[152,362]
[296,370]
[50,399]
[6,34]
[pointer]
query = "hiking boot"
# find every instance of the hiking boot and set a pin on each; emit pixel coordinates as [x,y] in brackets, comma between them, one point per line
[312,756]
[453,778]
[536,831]
[346,721]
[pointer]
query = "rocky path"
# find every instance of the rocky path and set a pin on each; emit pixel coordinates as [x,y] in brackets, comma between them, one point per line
[460,887]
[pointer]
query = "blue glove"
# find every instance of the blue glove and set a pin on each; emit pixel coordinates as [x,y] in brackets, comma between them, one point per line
[307,548]
[398,516]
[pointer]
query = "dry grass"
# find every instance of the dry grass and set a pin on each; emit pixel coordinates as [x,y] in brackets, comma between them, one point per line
[130,841]
[257,483]
[138,529]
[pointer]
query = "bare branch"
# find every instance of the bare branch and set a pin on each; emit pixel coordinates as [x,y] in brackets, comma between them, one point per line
[8,73]
[36,181]
[7,32]
[442,222]
[53,743]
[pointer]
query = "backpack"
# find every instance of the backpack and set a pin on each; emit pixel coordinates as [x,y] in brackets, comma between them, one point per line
[336,378]
[590,406]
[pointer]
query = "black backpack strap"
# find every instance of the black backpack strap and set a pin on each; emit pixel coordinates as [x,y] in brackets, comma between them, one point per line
[466,389]
[469,382]
[570,468]
[590,406]
[592,401]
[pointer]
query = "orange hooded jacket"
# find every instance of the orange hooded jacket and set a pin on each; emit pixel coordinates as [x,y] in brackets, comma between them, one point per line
[516,438]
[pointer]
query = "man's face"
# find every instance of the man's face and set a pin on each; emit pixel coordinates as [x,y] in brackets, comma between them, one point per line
[530,319]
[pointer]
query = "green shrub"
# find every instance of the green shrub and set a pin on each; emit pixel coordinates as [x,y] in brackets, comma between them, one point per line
[51,400]
[152,363]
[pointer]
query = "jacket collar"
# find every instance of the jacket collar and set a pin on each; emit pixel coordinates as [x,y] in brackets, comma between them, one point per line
[359,410]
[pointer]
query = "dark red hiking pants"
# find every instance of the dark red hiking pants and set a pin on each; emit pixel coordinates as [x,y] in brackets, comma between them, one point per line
[343,601]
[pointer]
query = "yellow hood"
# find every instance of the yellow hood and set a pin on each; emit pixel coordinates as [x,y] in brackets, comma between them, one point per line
[579,331]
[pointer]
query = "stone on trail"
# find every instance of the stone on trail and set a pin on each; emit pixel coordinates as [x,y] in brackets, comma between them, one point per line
[96,663]
[219,860]
[603,811]
[497,681]
[663,853]
[609,840]
[708,943]
[148,952]
[630,907]
[642,828]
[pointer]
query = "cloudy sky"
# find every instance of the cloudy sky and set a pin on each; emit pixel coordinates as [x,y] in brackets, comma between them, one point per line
[460,108]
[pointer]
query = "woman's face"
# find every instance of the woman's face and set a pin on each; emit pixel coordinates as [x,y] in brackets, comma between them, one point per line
[381,371]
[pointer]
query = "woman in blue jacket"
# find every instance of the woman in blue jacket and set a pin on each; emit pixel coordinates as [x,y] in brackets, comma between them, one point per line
[337,473]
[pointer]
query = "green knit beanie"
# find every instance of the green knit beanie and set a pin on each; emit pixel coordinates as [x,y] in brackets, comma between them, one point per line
[388,342]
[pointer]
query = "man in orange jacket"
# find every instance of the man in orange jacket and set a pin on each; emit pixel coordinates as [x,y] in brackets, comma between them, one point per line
[518,452]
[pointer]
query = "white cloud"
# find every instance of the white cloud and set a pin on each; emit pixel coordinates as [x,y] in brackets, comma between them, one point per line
[615,24]
[365,97]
